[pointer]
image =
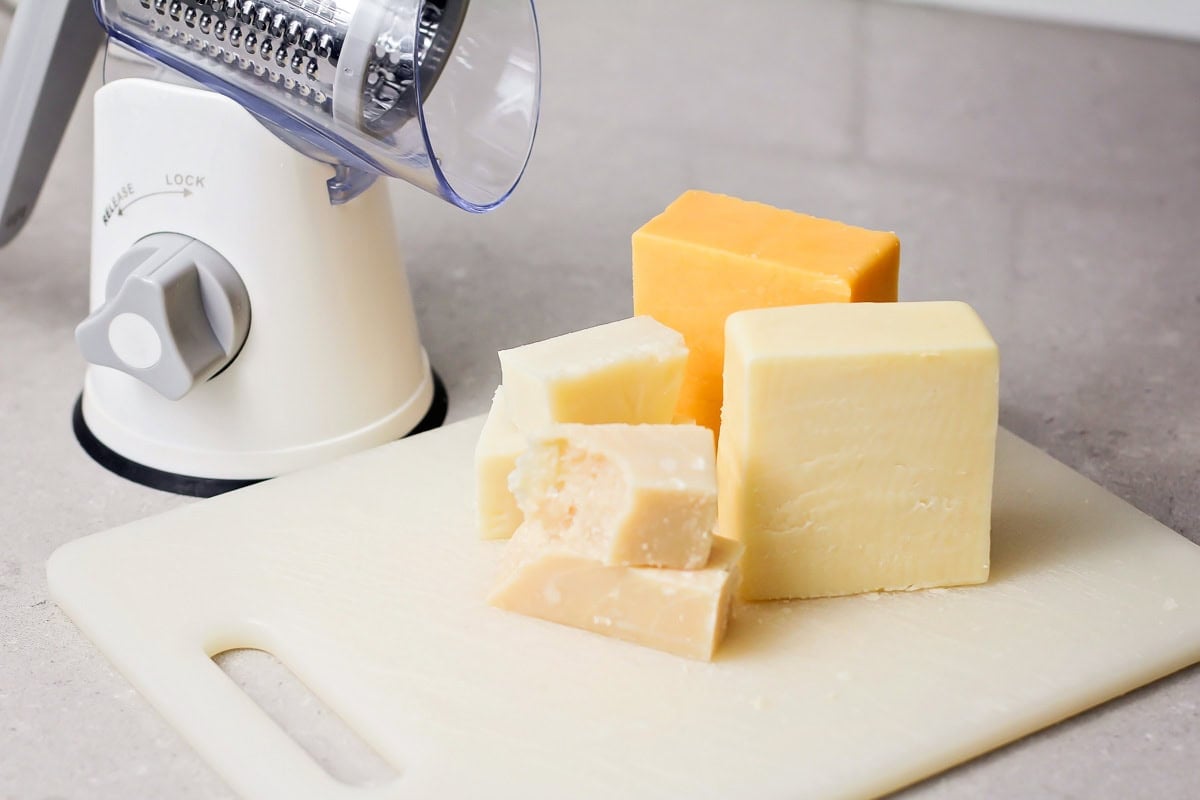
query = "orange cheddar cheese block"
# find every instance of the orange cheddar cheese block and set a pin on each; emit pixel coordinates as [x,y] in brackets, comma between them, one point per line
[709,255]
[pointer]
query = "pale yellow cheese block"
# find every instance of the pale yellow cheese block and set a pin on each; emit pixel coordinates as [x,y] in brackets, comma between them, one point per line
[628,495]
[680,611]
[625,371]
[857,447]
[495,458]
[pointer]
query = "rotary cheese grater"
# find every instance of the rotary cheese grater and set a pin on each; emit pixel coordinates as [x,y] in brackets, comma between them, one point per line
[250,310]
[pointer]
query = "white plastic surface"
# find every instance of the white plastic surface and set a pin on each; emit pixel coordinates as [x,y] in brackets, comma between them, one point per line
[366,577]
[333,361]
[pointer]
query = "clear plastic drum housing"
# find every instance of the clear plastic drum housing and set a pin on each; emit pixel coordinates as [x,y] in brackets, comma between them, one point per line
[443,94]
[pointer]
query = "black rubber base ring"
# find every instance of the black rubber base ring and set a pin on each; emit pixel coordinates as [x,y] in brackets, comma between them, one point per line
[116,463]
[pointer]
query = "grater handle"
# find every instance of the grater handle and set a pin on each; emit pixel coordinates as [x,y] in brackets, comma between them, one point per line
[46,60]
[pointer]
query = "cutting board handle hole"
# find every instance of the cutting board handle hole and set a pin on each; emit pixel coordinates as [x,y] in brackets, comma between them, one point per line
[302,716]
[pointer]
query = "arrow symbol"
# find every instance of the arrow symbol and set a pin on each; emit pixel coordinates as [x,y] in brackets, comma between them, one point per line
[185,192]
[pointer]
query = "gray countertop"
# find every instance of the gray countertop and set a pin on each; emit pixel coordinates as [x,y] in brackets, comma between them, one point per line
[1050,176]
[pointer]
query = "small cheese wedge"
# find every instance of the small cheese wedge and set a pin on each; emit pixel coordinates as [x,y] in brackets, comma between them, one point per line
[626,495]
[709,255]
[684,612]
[626,371]
[857,447]
[495,458]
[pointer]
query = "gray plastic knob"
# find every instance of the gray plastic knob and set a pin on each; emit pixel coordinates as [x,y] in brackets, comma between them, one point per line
[176,313]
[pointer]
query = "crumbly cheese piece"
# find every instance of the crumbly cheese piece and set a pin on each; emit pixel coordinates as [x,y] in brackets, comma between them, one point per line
[626,371]
[857,447]
[709,255]
[684,612]
[626,495]
[495,458]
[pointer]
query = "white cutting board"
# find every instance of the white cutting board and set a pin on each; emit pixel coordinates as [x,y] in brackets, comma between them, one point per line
[366,578]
